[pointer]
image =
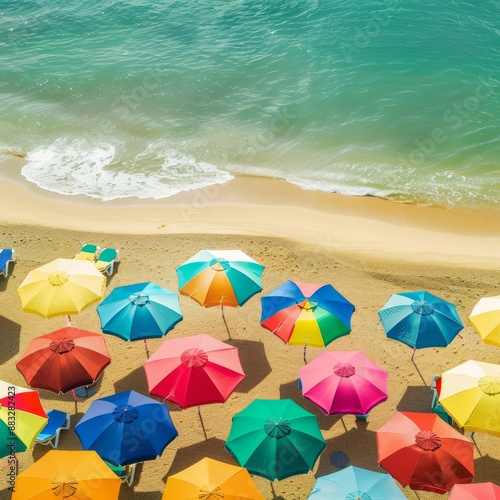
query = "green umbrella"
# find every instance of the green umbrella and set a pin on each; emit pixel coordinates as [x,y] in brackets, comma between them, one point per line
[275,438]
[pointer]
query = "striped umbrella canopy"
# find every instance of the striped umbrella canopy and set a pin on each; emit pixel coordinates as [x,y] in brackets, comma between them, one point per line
[21,418]
[420,319]
[354,483]
[275,438]
[485,318]
[470,393]
[64,360]
[61,474]
[310,314]
[344,382]
[210,479]
[220,278]
[423,451]
[63,286]
[195,370]
[139,311]
[475,491]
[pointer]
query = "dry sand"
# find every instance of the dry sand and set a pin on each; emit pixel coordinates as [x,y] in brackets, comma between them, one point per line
[367,249]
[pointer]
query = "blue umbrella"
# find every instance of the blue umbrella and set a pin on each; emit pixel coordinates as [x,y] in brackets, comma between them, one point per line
[420,319]
[354,483]
[126,428]
[139,312]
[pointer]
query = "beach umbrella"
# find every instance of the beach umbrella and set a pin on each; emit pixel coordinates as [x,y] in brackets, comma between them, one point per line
[423,451]
[64,360]
[485,318]
[220,278]
[275,438]
[354,483]
[21,418]
[78,475]
[344,382]
[306,314]
[63,286]
[210,479]
[470,393]
[193,371]
[420,319]
[139,312]
[126,428]
[475,491]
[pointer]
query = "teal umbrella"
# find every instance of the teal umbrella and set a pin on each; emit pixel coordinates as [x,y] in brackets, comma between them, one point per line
[139,312]
[420,319]
[354,483]
[220,278]
[275,438]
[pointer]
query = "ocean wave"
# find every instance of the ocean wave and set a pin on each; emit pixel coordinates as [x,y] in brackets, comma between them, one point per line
[72,167]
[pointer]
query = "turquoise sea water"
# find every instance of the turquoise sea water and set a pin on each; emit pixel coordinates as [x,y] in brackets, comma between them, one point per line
[147,98]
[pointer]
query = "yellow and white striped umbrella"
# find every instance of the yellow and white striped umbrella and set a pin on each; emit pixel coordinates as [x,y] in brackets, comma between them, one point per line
[485,318]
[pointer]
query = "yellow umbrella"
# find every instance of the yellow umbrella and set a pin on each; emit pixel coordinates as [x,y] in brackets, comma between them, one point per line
[211,480]
[485,318]
[78,475]
[470,393]
[63,286]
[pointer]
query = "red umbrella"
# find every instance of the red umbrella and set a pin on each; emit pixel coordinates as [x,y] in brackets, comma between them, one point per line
[63,360]
[476,491]
[194,370]
[422,450]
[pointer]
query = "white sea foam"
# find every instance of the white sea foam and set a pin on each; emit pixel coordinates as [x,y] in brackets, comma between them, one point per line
[75,167]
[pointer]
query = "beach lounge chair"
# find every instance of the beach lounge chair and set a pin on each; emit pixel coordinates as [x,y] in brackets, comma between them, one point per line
[58,420]
[436,407]
[125,472]
[7,256]
[106,261]
[88,252]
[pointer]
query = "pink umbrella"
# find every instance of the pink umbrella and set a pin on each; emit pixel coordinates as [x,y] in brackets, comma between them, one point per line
[475,491]
[344,382]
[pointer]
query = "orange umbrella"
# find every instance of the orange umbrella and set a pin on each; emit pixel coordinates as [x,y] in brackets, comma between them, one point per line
[78,475]
[210,479]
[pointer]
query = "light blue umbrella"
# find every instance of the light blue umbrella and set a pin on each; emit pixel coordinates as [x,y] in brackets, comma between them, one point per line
[126,428]
[140,311]
[420,319]
[354,483]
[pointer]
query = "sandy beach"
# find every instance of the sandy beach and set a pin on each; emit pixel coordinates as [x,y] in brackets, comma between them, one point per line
[366,248]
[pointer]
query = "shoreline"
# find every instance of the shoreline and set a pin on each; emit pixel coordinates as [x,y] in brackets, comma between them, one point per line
[260,206]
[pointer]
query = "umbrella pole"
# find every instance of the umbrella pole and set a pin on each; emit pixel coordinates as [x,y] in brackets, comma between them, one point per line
[415,491]
[224,317]
[69,320]
[475,444]
[75,397]
[305,351]
[146,347]
[202,425]
[413,355]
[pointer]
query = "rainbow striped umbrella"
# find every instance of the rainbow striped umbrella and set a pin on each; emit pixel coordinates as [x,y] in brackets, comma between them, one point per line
[306,313]
[21,418]
[220,278]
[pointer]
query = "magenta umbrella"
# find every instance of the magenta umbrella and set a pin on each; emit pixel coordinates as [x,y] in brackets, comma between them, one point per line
[344,382]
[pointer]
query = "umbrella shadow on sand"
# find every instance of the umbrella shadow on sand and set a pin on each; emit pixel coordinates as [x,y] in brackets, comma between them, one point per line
[291,391]
[10,332]
[189,455]
[253,361]
[360,446]
[486,468]
[135,381]
[416,398]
